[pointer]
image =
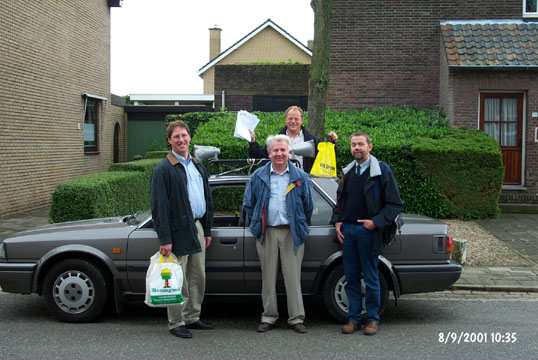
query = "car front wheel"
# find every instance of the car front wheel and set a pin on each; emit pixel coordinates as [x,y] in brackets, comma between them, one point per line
[335,298]
[75,290]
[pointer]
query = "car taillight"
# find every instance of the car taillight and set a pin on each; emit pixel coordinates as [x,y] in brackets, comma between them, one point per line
[449,244]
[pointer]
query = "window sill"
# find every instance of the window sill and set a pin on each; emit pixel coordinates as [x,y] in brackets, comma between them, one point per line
[91,152]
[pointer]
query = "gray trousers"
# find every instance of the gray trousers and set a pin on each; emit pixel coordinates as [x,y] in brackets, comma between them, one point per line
[280,240]
[193,288]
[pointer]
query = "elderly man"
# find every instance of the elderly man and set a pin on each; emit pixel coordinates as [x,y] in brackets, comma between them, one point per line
[368,202]
[279,204]
[182,210]
[297,133]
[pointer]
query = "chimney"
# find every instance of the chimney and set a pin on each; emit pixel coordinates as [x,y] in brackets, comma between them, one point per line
[214,42]
[310,44]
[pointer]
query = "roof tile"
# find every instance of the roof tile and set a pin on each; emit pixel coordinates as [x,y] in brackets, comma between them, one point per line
[491,43]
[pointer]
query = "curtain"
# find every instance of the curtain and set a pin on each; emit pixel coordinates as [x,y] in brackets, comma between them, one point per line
[492,117]
[509,122]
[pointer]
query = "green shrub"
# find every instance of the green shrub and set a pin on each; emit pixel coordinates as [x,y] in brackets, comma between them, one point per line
[193,119]
[137,157]
[157,154]
[441,171]
[146,166]
[99,195]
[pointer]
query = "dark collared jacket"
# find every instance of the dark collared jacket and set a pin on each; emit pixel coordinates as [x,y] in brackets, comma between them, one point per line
[257,152]
[171,209]
[382,197]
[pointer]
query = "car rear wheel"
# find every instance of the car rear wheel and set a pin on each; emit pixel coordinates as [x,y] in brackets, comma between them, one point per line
[75,290]
[335,297]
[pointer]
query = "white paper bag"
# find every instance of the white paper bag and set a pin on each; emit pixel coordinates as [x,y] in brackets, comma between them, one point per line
[163,281]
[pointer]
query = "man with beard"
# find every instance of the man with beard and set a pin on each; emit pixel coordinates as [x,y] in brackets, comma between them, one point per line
[368,202]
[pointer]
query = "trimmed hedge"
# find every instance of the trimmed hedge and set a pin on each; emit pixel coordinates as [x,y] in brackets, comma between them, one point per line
[99,195]
[161,154]
[441,171]
[145,166]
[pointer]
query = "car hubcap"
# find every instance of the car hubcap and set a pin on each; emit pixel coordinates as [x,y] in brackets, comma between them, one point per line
[340,296]
[73,292]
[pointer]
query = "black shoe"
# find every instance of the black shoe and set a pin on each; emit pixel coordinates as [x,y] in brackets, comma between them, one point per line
[200,325]
[182,332]
[299,328]
[264,327]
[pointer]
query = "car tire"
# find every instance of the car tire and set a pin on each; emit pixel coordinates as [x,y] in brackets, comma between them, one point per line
[75,291]
[335,297]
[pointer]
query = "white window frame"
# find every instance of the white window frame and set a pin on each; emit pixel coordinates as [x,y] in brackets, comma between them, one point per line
[529,14]
[98,101]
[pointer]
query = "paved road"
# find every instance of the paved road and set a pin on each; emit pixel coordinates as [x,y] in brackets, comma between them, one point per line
[409,331]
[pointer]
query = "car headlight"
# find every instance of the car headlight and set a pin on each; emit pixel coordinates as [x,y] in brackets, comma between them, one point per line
[2,250]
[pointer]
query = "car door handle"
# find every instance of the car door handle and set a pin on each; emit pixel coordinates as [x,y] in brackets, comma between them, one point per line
[228,241]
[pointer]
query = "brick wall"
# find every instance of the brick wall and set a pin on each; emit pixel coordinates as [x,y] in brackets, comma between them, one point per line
[50,53]
[242,82]
[467,86]
[387,52]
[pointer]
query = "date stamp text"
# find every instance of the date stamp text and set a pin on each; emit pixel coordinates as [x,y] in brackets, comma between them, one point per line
[494,337]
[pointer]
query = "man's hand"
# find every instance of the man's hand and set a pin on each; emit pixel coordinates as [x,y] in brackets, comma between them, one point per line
[368,224]
[166,250]
[207,241]
[252,135]
[332,136]
[339,234]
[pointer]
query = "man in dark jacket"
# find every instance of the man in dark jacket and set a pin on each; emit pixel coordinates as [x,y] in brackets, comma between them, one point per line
[368,202]
[182,212]
[297,133]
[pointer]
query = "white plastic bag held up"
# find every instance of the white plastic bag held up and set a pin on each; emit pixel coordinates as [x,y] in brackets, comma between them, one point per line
[163,281]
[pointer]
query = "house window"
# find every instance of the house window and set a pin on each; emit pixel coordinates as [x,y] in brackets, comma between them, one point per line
[92,117]
[530,8]
[91,121]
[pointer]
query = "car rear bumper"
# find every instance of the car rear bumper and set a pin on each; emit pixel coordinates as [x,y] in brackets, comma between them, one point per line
[427,277]
[16,277]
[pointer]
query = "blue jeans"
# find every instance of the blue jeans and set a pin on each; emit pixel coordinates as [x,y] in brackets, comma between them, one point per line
[358,258]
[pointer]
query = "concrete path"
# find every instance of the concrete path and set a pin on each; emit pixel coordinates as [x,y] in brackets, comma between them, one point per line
[518,231]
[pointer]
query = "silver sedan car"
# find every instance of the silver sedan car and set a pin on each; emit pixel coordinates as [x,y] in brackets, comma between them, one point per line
[80,266]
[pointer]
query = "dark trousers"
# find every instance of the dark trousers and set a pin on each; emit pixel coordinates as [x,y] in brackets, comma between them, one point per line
[358,259]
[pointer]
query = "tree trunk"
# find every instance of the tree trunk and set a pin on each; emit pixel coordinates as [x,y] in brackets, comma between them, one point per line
[319,69]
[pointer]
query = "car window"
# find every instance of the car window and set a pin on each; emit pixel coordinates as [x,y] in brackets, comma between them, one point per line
[322,213]
[227,203]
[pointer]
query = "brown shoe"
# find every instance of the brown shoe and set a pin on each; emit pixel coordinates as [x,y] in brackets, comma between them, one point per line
[299,328]
[350,327]
[370,328]
[264,327]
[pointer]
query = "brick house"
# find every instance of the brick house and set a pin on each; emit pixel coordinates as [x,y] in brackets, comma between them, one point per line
[477,61]
[265,70]
[58,119]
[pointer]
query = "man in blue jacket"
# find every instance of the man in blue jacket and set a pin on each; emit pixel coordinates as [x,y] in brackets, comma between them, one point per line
[368,202]
[279,204]
[182,212]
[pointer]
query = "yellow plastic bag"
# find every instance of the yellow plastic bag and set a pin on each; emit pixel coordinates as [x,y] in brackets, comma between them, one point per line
[325,163]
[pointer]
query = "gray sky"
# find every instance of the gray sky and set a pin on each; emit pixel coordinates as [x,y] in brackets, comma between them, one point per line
[158,46]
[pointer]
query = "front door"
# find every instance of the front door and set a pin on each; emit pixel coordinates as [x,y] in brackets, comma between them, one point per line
[501,116]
